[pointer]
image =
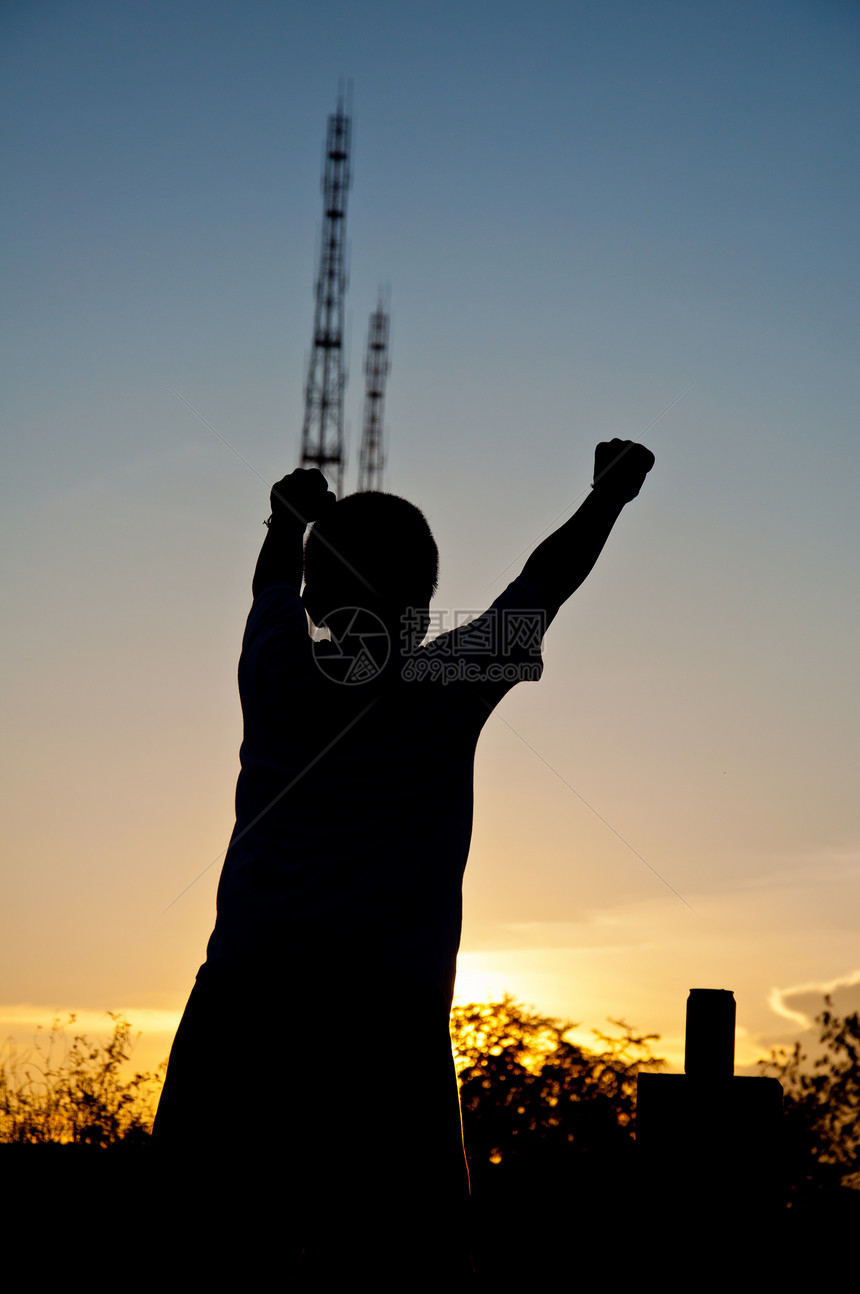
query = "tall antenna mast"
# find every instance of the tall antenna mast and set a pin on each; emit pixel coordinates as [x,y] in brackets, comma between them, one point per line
[372,458]
[322,432]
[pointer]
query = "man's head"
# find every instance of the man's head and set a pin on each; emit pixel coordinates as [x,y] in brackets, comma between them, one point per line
[370,550]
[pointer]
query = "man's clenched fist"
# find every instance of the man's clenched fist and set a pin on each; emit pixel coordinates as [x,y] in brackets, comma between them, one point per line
[620,467]
[301,497]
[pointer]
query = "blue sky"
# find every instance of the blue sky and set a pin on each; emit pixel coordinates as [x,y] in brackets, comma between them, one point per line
[582,212]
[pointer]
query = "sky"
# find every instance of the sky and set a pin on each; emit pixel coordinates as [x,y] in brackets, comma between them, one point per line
[593,220]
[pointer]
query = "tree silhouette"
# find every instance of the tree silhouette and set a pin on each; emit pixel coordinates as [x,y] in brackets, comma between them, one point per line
[821,1103]
[528,1093]
[549,1131]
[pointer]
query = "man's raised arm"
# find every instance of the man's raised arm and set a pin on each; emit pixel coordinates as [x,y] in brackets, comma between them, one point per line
[297,500]
[561,562]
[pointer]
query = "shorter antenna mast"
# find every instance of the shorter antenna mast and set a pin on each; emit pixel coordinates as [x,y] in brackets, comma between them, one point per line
[372,457]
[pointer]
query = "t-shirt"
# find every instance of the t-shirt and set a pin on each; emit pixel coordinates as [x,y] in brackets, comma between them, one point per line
[354,800]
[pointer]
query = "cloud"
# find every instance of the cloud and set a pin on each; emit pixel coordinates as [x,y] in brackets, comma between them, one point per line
[802,1002]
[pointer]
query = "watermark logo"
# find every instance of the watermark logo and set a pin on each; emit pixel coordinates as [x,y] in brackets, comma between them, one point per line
[425,667]
[500,633]
[499,646]
[359,649]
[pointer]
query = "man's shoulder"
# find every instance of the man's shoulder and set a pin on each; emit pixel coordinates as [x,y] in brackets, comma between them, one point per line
[277,627]
[277,605]
[516,615]
[277,595]
[490,651]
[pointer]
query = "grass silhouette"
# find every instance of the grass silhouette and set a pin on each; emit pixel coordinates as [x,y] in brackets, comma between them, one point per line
[65,1090]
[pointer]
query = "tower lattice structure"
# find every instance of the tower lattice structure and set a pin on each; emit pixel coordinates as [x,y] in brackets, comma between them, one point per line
[372,457]
[322,431]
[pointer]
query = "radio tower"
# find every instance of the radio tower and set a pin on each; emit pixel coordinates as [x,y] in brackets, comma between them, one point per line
[322,432]
[372,458]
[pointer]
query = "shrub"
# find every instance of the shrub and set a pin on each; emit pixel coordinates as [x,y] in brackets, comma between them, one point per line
[529,1093]
[821,1101]
[73,1092]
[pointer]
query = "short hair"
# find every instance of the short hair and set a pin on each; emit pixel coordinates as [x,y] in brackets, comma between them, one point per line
[374,544]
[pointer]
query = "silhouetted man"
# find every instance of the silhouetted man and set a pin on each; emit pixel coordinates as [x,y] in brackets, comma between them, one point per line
[311,1105]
